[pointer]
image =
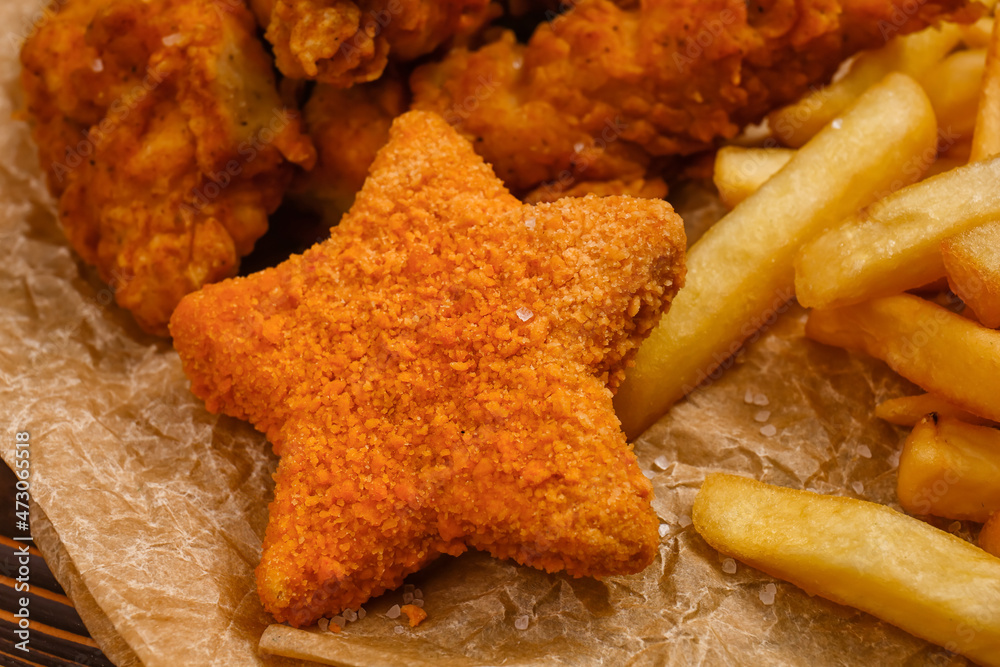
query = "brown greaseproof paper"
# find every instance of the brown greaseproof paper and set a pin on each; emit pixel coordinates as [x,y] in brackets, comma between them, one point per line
[151,511]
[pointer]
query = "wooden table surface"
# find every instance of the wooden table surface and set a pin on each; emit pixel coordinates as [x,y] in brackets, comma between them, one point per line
[58,637]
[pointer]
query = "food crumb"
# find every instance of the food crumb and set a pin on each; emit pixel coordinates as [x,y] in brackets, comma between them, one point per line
[521,622]
[762,416]
[760,399]
[393,611]
[350,615]
[664,529]
[524,314]
[729,566]
[748,397]
[414,613]
[864,452]
[661,462]
[858,487]
[767,595]
[769,430]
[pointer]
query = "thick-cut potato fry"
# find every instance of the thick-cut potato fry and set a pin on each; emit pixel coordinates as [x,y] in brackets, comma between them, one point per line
[740,272]
[942,352]
[913,54]
[909,410]
[977,35]
[739,172]
[986,139]
[953,85]
[950,469]
[972,260]
[930,583]
[895,245]
[989,537]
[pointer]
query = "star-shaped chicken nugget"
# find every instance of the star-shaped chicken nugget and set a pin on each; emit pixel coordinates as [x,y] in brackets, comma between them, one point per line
[438,376]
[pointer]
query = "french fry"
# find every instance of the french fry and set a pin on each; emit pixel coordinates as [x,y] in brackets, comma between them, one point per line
[913,54]
[739,172]
[895,245]
[902,570]
[972,261]
[942,352]
[989,537]
[950,469]
[740,272]
[909,410]
[977,35]
[953,86]
[986,139]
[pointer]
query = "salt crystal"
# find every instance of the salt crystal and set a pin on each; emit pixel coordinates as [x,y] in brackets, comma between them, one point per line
[407,598]
[837,123]
[748,397]
[338,620]
[762,416]
[324,624]
[955,527]
[417,594]
[579,146]
[529,223]
[858,487]
[521,622]
[524,314]
[729,566]
[409,588]
[894,459]
[864,452]
[398,629]
[760,399]
[97,65]
[350,615]
[175,38]
[685,521]
[661,462]
[418,603]
[518,63]
[664,529]
[768,430]
[767,595]
[362,613]
[393,611]
[648,474]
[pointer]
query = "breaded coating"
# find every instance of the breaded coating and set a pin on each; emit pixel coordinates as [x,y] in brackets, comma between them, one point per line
[602,91]
[161,130]
[438,375]
[343,42]
[348,127]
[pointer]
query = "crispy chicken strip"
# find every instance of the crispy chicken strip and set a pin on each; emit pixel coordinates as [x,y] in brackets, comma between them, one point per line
[342,42]
[162,132]
[603,90]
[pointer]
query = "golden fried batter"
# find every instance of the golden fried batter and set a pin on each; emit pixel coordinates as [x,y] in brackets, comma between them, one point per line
[159,124]
[343,42]
[348,126]
[600,91]
[438,375]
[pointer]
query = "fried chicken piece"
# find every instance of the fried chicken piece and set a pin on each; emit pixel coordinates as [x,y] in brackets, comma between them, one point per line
[348,126]
[653,188]
[438,375]
[161,130]
[343,42]
[600,91]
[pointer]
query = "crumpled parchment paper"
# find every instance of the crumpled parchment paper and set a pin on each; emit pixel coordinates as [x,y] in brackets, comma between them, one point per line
[151,511]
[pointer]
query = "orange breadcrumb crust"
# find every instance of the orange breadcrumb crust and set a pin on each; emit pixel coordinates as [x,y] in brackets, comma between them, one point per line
[414,613]
[438,375]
